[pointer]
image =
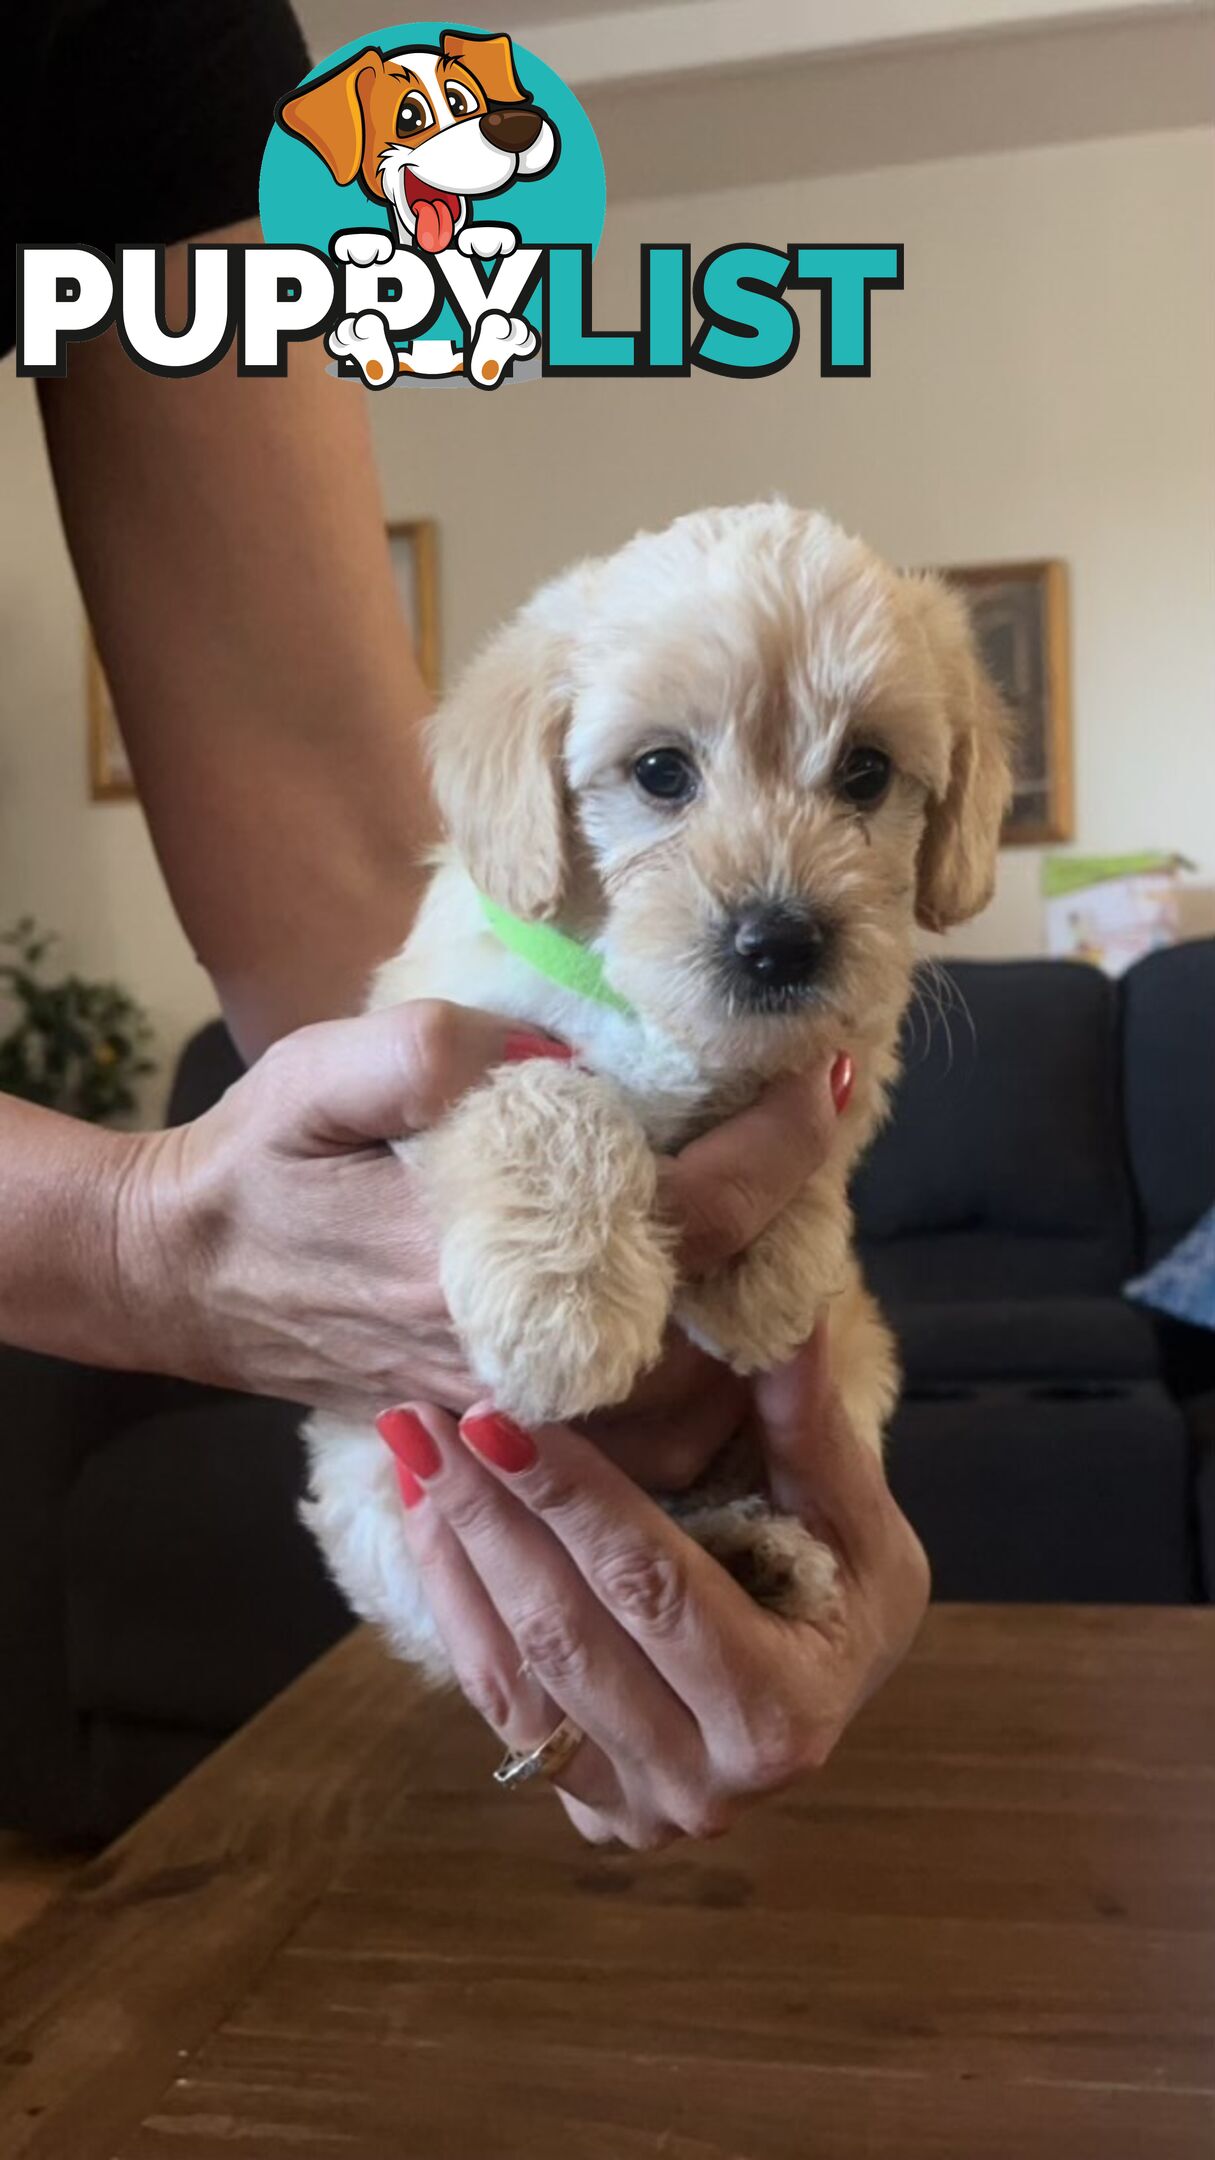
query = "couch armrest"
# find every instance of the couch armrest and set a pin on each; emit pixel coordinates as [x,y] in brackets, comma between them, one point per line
[53,1417]
[1200,1417]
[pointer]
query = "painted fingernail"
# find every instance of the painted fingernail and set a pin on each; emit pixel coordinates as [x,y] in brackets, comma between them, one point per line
[499,1441]
[843,1080]
[410,1490]
[521,1046]
[405,1434]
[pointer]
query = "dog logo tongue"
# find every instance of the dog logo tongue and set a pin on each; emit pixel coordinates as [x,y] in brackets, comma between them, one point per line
[435,226]
[434,215]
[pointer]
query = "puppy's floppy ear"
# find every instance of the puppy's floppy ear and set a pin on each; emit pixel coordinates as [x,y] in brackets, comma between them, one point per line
[491,60]
[496,747]
[328,115]
[957,864]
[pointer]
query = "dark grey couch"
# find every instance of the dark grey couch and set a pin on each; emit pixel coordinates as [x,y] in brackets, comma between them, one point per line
[155,1587]
[1056,1139]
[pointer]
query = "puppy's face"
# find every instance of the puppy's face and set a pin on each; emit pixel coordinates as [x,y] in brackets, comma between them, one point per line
[765,755]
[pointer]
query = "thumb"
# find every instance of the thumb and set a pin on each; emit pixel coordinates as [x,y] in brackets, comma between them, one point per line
[819,1468]
[346,1083]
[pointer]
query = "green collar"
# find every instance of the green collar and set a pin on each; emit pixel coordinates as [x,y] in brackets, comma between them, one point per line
[561,959]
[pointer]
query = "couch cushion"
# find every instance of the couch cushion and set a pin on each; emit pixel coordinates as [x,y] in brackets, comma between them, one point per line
[1168,1049]
[1066,1340]
[193,1592]
[206,1070]
[1006,1139]
[1025,1495]
[960,1267]
[1201,1416]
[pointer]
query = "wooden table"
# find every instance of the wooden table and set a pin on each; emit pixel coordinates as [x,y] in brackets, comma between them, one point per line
[988,1932]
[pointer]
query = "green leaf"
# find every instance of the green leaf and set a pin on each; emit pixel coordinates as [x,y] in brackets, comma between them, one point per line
[69,1044]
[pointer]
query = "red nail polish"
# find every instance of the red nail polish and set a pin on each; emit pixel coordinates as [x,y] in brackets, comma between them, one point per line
[843,1080]
[499,1441]
[522,1045]
[411,1491]
[410,1442]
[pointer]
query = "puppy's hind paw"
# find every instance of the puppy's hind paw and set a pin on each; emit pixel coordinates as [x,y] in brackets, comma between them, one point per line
[772,1557]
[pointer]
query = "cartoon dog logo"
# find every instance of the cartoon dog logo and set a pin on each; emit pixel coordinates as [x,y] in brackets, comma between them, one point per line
[427,131]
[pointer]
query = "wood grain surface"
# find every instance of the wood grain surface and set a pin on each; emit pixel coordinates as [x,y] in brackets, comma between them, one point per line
[987,1932]
[29,1879]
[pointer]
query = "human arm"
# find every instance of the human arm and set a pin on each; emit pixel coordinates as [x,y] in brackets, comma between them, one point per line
[274,1244]
[230,545]
[229,539]
[278,1246]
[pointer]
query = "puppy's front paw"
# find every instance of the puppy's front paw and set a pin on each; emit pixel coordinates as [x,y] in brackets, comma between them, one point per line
[772,1557]
[558,1279]
[553,1353]
[760,1309]
[750,1329]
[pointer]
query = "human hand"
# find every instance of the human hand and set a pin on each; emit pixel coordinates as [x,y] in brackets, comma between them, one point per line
[278,1246]
[561,1591]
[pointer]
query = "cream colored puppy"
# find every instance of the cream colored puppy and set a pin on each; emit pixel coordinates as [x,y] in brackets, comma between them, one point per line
[698,796]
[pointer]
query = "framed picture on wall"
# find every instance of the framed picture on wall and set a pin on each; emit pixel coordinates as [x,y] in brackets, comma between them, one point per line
[413,544]
[110,777]
[1020,613]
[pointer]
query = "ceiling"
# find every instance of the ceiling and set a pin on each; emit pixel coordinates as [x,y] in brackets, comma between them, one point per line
[596,43]
[886,107]
[846,85]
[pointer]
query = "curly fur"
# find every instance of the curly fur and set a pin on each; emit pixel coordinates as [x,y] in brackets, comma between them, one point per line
[765,642]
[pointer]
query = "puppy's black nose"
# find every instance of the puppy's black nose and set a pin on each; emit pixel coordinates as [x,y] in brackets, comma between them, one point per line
[777,947]
[511,130]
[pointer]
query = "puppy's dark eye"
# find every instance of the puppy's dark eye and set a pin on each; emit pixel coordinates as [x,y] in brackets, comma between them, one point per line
[667,776]
[863,777]
[460,101]
[414,114]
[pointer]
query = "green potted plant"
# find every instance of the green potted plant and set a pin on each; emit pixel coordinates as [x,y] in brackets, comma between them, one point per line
[67,1044]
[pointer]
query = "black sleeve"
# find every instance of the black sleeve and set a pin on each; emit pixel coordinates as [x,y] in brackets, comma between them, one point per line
[141,121]
[184,92]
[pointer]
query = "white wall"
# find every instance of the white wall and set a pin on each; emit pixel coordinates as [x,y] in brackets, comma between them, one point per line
[1043,386]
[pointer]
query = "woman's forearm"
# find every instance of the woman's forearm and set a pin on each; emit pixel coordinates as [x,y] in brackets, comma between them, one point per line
[65,1263]
[274,1245]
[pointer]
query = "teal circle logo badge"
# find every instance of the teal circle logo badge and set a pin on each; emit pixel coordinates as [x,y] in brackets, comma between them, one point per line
[434,166]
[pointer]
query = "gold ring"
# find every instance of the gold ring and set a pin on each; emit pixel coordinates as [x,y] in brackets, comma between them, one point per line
[519,1767]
